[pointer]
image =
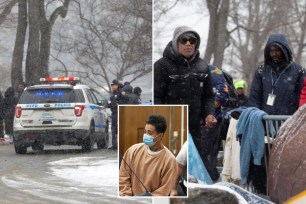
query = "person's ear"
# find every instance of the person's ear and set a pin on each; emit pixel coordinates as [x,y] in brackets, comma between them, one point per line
[161,135]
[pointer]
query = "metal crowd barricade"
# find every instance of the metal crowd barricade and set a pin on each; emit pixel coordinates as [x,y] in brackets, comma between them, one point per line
[271,122]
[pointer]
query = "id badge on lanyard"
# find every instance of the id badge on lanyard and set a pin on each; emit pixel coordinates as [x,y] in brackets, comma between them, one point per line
[272,96]
[271,99]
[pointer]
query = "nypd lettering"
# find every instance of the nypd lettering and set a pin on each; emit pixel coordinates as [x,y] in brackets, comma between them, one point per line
[31,105]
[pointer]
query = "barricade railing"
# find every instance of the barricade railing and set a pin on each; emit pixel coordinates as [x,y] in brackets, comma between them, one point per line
[272,124]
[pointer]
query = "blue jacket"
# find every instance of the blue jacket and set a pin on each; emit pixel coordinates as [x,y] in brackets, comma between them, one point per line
[220,89]
[285,79]
[250,131]
[196,167]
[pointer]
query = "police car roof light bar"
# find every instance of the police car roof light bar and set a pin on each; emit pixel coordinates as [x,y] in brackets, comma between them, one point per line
[60,79]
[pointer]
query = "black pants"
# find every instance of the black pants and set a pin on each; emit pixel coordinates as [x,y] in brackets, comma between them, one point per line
[258,174]
[9,126]
[1,128]
[210,148]
[114,130]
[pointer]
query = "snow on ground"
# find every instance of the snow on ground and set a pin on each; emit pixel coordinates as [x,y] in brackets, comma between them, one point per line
[87,171]
[98,174]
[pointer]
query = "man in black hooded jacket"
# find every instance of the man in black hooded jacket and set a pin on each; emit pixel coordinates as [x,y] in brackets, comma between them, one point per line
[277,83]
[275,89]
[181,77]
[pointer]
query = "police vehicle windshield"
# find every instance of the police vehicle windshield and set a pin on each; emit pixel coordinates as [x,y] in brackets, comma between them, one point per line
[52,96]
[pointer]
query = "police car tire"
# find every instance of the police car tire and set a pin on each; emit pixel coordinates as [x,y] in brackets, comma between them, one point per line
[88,142]
[20,149]
[38,147]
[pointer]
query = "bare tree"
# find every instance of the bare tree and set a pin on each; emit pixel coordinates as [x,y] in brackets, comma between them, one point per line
[45,34]
[32,71]
[7,7]
[40,27]
[113,41]
[218,34]
[161,7]
[16,66]
[295,27]
[251,29]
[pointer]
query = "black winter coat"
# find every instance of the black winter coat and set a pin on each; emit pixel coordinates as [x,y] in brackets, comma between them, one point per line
[178,81]
[8,104]
[116,98]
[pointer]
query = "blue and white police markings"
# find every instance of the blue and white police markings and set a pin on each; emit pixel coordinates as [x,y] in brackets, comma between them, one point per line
[100,126]
[94,107]
[62,105]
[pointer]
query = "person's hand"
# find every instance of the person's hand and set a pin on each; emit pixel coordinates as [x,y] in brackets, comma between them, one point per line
[102,107]
[173,192]
[210,121]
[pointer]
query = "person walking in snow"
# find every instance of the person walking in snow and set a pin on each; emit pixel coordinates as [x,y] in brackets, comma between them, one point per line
[8,111]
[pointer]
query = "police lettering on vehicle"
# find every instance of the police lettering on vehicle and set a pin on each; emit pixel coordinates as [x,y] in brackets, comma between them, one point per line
[62,105]
[31,105]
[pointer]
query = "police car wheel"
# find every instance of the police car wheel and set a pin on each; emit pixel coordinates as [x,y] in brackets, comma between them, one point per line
[20,148]
[88,142]
[38,147]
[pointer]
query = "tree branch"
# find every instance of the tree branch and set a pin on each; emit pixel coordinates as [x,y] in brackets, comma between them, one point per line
[7,10]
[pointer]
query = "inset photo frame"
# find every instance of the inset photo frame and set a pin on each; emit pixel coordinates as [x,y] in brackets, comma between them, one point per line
[151,159]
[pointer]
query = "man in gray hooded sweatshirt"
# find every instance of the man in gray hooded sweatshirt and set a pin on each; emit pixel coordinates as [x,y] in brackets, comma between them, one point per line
[182,77]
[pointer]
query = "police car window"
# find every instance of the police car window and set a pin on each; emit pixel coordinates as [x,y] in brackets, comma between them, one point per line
[93,97]
[52,96]
[89,96]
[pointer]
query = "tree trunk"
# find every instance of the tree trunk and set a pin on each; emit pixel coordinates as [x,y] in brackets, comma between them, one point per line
[16,67]
[45,49]
[301,44]
[32,69]
[210,46]
[218,34]
[45,32]
[222,33]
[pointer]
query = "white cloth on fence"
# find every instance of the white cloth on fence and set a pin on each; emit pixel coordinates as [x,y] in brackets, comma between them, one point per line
[231,162]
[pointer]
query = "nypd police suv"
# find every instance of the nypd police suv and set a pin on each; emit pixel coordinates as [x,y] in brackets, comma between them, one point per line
[60,111]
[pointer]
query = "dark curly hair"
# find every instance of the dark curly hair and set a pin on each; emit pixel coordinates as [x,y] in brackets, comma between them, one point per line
[159,122]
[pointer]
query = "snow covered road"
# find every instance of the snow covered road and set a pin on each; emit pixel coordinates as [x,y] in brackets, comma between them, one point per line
[56,177]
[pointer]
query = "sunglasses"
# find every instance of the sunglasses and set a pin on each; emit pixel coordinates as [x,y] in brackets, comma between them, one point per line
[190,39]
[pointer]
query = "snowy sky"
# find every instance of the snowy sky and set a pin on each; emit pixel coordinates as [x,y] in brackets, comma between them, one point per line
[191,14]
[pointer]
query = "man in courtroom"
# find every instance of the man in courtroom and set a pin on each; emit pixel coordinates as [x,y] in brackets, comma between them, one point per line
[148,168]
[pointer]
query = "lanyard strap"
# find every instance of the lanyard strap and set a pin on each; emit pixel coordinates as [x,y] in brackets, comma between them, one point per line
[274,84]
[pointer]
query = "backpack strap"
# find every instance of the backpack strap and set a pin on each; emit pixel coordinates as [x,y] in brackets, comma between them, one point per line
[301,72]
[261,68]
